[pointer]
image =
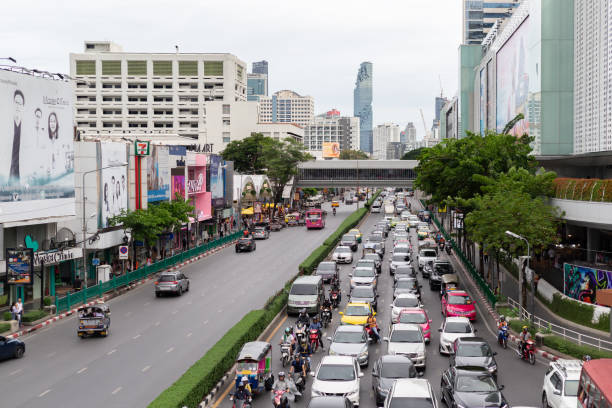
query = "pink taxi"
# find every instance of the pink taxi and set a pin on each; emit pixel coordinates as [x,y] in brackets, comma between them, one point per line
[458,303]
[416,316]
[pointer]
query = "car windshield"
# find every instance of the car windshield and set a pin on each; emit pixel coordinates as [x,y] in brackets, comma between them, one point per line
[414,318]
[326,266]
[459,300]
[401,249]
[365,263]
[406,284]
[348,238]
[349,337]
[357,310]
[313,216]
[399,258]
[343,250]
[403,270]
[372,257]
[398,370]
[166,278]
[303,289]
[411,301]
[473,350]
[444,268]
[412,402]
[406,336]
[363,273]
[428,253]
[571,388]
[333,372]
[375,238]
[457,327]
[363,292]
[475,383]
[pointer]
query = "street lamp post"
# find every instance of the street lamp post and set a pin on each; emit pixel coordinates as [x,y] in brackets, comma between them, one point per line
[84,221]
[521,276]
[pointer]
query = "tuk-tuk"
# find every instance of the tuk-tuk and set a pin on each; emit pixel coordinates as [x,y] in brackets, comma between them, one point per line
[449,280]
[255,362]
[94,319]
[428,243]
[292,219]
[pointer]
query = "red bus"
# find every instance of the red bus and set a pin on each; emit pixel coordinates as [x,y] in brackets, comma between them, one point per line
[595,388]
[315,218]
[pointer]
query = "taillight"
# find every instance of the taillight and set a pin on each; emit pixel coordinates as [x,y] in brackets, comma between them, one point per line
[174,282]
[156,283]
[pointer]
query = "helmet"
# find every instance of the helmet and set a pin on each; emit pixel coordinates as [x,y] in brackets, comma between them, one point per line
[303,311]
[525,327]
[244,379]
[315,318]
[502,318]
[287,330]
[281,374]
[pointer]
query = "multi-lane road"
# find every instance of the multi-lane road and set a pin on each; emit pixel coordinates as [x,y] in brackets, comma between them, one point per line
[523,382]
[154,340]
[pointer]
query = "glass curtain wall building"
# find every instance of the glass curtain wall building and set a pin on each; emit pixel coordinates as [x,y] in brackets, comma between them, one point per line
[362,105]
[479,17]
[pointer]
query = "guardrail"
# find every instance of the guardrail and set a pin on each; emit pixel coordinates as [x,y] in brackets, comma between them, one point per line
[571,335]
[84,295]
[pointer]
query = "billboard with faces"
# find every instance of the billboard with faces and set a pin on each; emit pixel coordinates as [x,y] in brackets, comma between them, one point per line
[114,182]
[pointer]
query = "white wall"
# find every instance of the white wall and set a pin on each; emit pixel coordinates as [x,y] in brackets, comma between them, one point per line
[585,211]
[243,119]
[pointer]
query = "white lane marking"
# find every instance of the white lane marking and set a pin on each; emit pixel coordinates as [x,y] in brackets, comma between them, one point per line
[81,370]
[128,314]
[116,390]
[136,336]
[51,354]
[189,334]
[174,312]
[16,371]
[42,394]
[157,323]
[205,321]
[170,350]
[145,369]
[111,352]
[147,303]
[220,311]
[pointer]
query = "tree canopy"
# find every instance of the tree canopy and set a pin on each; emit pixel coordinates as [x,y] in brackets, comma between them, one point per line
[281,158]
[414,154]
[353,155]
[247,154]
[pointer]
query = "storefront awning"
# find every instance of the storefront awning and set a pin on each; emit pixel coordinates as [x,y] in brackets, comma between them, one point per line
[247,211]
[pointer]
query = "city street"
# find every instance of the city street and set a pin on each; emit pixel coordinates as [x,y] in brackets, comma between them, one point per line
[153,340]
[522,381]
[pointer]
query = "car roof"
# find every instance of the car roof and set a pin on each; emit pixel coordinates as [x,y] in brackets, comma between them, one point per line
[350,328]
[459,319]
[471,340]
[328,401]
[327,263]
[412,388]
[308,279]
[406,326]
[570,369]
[169,273]
[457,293]
[343,360]
[395,358]
[406,295]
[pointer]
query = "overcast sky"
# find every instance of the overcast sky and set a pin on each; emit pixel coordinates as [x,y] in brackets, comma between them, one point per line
[313,47]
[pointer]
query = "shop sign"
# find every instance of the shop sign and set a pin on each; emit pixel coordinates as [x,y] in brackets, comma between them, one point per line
[141,148]
[19,266]
[257,207]
[55,257]
[195,186]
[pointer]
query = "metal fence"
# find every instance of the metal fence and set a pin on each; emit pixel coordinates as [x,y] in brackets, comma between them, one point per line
[570,335]
[84,295]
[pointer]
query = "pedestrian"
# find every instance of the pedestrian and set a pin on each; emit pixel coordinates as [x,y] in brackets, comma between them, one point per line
[184,244]
[13,313]
[19,310]
[77,283]
[486,257]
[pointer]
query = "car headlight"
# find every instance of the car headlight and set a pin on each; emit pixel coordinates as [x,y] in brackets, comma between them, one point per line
[353,394]
[332,352]
[362,354]
[315,393]
[492,368]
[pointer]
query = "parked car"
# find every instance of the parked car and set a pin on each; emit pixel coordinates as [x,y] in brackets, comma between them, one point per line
[337,375]
[171,282]
[453,328]
[328,270]
[365,294]
[475,352]
[560,388]
[245,244]
[386,370]
[407,340]
[411,392]
[11,348]
[350,341]
[343,254]
[471,387]
[458,303]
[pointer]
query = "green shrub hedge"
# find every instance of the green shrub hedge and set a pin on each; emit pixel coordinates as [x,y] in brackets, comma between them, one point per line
[570,310]
[4,327]
[7,316]
[573,349]
[33,315]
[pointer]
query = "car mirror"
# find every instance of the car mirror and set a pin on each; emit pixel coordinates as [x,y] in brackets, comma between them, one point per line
[501,387]
[557,391]
[341,313]
[350,275]
[360,374]
[312,373]
[440,330]
[374,374]
[391,306]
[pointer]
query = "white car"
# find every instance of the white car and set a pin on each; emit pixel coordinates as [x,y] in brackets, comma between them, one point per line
[411,392]
[350,340]
[404,301]
[407,340]
[405,215]
[375,208]
[337,375]
[426,255]
[452,328]
[560,389]
[363,276]
[398,259]
[342,254]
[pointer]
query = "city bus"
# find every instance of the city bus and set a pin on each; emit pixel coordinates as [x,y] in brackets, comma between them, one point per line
[595,388]
[315,218]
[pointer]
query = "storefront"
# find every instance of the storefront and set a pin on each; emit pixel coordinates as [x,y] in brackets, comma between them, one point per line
[199,198]
[58,267]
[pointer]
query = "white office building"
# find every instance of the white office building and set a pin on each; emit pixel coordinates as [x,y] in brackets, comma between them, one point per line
[123,91]
[331,127]
[382,135]
[287,107]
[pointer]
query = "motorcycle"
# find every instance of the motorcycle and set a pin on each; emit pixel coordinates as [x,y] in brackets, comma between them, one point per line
[280,399]
[240,403]
[441,245]
[334,297]
[334,211]
[326,316]
[502,337]
[285,349]
[370,333]
[449,249]
[314,340]
[300,332]
[528,352]
[300,383]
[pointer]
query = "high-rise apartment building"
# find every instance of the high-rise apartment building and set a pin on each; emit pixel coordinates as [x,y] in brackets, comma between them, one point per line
[260,67]
[118,90]
[479,16]
[592,76]
[257,86]
[408,136]
[382,136]
[439,103]
[288,107]
[362,105]
[331,127]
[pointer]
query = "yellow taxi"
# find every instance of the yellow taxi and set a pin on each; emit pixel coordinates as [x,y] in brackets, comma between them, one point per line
[394,222]
[356,313]
[335,203]
[356,233]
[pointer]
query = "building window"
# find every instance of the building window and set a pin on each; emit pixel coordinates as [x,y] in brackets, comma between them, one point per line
[226,109]
[226,122]
[137,68]
[226,137]
[188,68]
[111,67]
[86,67]
[162,68]
[213,68]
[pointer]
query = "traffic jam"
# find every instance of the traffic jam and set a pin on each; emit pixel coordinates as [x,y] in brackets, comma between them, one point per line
[384,321]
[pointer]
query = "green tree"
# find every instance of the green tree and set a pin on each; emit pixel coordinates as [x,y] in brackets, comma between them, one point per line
[310,191]
[414,154]
[248,153]
[353,155]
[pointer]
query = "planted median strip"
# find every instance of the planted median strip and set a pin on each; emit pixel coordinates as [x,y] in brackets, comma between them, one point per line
[201,377]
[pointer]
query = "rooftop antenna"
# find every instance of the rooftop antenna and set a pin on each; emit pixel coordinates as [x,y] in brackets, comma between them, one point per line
[176,48]
[441,91]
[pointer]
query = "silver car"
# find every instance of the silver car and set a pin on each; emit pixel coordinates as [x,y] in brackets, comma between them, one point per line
[398,260]
[350,340]
[171,282]
[407,340]
[261,233]
[363,276]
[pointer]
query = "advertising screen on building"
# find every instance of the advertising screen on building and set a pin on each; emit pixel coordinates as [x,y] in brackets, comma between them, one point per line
[158,174]
[19,266]
[37,155]
[513,80]
[217,181]
[114,197]
[178,187]
[331,150]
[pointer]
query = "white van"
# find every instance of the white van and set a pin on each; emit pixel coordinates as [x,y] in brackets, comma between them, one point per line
[306,293]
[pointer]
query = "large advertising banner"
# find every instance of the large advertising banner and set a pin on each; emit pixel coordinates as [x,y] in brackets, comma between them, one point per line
[158,174]
[178,187]
[114,197]
[19,266]
[331,150]
[582,282]
[217,181]
[37,155]
[513,81]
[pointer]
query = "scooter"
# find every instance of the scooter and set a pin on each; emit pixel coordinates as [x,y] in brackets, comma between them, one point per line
[280,400]
[285,349]
[528,352]
[300,332]
[370,333]
[314,340]
[502,337]
[449,249]
[300,383]
[326,316]
[240,403]
[334,297]
[334,211]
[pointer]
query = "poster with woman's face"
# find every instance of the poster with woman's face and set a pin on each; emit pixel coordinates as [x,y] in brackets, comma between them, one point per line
[217,186]
[114,197]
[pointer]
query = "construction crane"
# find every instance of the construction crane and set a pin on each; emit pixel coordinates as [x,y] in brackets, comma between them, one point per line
[427,132]
[441,90]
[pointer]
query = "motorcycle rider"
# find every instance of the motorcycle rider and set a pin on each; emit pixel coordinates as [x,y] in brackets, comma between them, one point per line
[288,337]
[502,322]
[316,325]
[371,323]
[335,288]
[243,393]
[303,317]
[304,349]
[326,305]
[299,364]
[525,336]
[334,210]
[280,385]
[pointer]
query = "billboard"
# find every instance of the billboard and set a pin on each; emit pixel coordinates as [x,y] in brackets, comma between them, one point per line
[513,80]
[19,266]
[37,158]
[582,282]
[178,186]
[217,181]
[158,174]
[331,150]
[114,197]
